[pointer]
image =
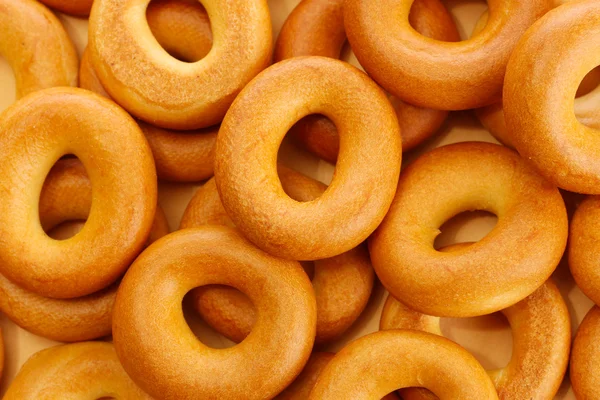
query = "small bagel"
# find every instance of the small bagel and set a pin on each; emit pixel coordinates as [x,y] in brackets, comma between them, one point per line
[180,156]
[164,91]
[382,362]
[366,174]
[531,232]
[78,8]
[88,370]
[163,356]
[66,195]
[584,357]
[583,246]
[36,46]
[431,73]
[316,28]
[564,150]
[342,284]
[541,343]
[36,132]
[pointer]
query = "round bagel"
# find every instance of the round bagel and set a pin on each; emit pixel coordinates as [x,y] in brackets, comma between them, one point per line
[119,163]
[36,46]
[166,92]
[549,135]
[532,227]
[164,357]
[366,174]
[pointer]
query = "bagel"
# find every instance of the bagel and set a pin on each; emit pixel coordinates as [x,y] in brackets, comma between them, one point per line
[564,150]
[431,73]
[382,362]
[164,357]
[584,357]
[88,370]
[182,28]
[541,343]
[78,8]
[316,28]
[531,230]
[583,244]
[36,46]
[120,166]
[166,92]
[342,284]
[366,174]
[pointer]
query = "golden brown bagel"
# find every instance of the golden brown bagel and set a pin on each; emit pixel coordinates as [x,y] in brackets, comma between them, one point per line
[584,357]
[431,73]
[366,174]
[316,28]
[342,284]
[66,196]
[37,131]
[164,357]
[79,8]
[382,362]
[583,247]
[531,232]
[541,343]
[164,91]
[182,28]
[549,135]
[36,46]
[88,370]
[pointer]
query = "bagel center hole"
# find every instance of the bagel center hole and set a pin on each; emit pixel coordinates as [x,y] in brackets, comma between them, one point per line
[181,27]
[488,338]
[587,100]
[9,83]
[65,199]
[469,16]
[466,227]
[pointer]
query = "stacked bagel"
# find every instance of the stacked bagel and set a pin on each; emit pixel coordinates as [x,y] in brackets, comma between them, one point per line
[281,264]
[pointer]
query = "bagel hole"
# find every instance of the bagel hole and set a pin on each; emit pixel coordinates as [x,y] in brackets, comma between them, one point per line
[9,84]
[466,227]
[65,199]
[181,27]
[203,331]
[468,15]
[590,83]
[488,338]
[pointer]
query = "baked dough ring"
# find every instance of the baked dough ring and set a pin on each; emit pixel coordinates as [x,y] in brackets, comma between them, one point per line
[430,73]
[531,231]
[182,28]
[88,370]
[541,343]
[164,91]
[36,46]
[316,28]
[120,166]
[382,362]
[79,8]
[342,284]
[366,174]
[584,357]
[164,357]
[583,247]
[550,136]
[66,196]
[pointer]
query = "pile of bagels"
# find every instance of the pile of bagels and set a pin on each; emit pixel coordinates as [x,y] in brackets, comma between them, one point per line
[192,91]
